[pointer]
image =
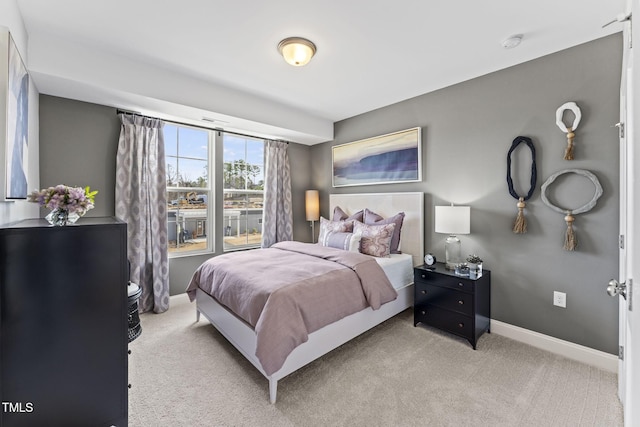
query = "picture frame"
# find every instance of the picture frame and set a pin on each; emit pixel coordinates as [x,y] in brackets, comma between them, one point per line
[386,159]
[14,120]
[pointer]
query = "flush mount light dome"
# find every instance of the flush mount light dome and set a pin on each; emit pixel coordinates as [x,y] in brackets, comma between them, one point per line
[296,50]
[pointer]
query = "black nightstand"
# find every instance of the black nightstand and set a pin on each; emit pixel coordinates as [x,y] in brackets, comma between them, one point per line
[457,304]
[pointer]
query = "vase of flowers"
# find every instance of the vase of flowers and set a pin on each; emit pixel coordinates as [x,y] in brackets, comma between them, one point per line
[67,204]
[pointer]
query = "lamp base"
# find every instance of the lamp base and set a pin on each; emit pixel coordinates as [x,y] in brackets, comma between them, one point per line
[452,252]
[313,231]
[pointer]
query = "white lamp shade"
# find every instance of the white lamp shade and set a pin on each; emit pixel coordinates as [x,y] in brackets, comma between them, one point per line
[312,205]
[453,219]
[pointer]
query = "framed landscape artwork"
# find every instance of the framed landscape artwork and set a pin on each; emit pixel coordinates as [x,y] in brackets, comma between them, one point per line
[386,159]
[14,119]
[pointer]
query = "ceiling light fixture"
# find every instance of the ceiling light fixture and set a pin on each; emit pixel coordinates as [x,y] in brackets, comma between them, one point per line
[512,41]
[296,50]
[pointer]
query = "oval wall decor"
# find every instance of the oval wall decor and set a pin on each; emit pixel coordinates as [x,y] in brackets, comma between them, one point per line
[570,241]
[520,225]
[568,152]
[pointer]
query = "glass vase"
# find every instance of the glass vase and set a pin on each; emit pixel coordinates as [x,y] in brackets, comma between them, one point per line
[61,217]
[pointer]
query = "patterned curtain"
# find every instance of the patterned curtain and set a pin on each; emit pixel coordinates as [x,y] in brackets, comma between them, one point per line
[141,201]
[277,214]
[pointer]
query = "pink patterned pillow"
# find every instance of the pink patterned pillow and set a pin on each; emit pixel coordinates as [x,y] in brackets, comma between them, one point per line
[376,239]
[327,226]
[373,218]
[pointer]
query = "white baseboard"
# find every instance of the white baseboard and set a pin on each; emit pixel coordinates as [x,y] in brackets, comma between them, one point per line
[590,356]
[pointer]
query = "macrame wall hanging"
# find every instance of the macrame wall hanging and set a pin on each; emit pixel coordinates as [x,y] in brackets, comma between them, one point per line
[570,241]
[520,225]
[570,131]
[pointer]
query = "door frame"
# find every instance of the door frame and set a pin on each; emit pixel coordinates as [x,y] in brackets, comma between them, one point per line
[629,337]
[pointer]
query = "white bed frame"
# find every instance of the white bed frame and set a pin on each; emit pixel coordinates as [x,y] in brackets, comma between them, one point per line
[322,341]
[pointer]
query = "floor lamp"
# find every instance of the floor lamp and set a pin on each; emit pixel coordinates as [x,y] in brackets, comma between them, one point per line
[312,207]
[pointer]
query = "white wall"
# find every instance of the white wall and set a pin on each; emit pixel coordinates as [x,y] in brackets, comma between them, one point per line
[11,18]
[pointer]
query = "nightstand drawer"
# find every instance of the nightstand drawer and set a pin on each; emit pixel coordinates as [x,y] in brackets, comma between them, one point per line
[450,321]
[450,282]
[450,299]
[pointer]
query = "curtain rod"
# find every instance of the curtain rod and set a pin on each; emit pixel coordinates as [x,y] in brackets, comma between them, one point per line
[135,113]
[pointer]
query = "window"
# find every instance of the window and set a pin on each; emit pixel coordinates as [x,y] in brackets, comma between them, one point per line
[243,176]
[189,193]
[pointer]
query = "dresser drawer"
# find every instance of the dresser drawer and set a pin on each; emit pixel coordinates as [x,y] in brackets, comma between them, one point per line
[447,320]
[428,277]
[450,299]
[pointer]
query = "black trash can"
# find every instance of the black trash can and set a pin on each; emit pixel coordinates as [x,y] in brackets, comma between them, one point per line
[133,294]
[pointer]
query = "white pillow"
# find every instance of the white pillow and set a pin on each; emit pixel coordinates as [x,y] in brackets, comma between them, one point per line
[340,240]
[327,226]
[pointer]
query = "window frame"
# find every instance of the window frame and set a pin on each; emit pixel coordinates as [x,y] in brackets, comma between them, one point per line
[209,190]
[244,191]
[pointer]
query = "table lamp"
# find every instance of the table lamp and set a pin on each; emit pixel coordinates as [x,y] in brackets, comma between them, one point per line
[453,220]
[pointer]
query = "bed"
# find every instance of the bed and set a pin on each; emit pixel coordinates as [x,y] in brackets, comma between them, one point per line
[397,268]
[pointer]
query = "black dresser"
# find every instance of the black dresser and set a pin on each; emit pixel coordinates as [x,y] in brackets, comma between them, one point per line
[457,304]
[63,323]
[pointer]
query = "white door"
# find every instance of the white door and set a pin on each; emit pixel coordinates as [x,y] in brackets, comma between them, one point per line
[629,366]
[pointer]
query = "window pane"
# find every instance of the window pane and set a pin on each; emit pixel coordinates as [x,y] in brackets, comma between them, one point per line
[172,171]
[192,173]
[255,152]
[187,158]
[243,163]
[170,140]
[242,220]
[233,175]
[243,177]
[187,220]
[193,143]
[234,148]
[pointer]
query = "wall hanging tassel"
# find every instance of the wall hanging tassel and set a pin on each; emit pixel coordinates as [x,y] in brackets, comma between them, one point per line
[570,241]
[570,131]
[568,152]
[520,225]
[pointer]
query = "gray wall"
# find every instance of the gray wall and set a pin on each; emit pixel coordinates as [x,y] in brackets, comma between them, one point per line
[467,130]
[78,148]
[78,145]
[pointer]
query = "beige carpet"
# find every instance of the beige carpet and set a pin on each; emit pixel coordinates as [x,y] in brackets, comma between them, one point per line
[186,374]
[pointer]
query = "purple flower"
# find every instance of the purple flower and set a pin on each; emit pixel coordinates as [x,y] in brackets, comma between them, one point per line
[72,199]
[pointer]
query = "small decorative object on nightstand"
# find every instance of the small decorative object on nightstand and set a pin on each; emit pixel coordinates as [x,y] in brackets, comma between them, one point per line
[430,260]
[459,305]
[474,262]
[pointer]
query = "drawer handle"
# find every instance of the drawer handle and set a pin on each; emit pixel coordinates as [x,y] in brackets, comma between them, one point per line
[460,325]
[460,284]
[424,276]
[423,292]
[423,312]
[460,302]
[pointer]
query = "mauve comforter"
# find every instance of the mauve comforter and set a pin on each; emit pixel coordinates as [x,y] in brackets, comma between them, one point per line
[290,290]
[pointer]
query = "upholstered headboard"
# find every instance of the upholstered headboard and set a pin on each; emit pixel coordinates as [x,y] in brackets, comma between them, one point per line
[386,205]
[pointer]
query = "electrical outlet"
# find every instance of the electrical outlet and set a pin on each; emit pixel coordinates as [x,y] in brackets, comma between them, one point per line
[560,299]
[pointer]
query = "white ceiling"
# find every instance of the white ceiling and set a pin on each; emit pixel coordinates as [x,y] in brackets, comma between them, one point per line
[190,59]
